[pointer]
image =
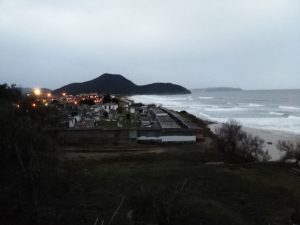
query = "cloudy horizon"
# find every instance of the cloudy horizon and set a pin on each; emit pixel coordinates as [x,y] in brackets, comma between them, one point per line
[248,44]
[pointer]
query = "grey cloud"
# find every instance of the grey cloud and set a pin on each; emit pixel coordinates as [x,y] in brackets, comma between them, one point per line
[193,43]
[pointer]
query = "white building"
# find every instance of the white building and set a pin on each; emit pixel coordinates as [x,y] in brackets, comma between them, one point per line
[109,106]
[132,110]
[73,120]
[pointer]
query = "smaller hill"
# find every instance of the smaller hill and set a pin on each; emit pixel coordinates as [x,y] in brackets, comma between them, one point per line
[162,88]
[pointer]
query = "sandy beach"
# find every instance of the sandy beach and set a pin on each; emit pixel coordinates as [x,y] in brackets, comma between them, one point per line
[271,139]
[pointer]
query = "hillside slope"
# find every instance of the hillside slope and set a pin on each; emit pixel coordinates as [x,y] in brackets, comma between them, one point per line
[117,84]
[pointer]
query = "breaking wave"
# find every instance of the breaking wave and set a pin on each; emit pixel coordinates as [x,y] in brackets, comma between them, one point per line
[203,97]
[277,114]
[255,105]
[269,114]
[219,109]
[289,107]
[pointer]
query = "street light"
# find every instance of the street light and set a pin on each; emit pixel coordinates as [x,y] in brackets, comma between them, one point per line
[37,91]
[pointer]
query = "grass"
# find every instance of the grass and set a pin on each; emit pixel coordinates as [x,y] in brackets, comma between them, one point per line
[241,194]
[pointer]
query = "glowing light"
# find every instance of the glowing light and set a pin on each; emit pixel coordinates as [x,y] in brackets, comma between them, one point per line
[49,95]
[75,102]
[64,94]
[33,105]
[37,91]
[46,104]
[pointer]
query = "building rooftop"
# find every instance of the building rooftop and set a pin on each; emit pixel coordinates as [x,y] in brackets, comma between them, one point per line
[167,122]
[182,119]
[158,112]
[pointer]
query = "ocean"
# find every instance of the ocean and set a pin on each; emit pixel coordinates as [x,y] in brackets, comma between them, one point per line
[275,110]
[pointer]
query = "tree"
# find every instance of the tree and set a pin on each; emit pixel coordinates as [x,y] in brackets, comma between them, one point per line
[10,93]
[27,163]
[252,147]
[106,98]
[234,140]
[105,114]
[128,116]
[115,100]
[229,134]
[291,151]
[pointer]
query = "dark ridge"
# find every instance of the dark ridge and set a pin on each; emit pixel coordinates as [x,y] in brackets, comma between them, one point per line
[117,84]
[162,88]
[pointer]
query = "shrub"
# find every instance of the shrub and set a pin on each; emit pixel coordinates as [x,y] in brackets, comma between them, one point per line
[229,135]
[252,147]
[291,151]
[234,140]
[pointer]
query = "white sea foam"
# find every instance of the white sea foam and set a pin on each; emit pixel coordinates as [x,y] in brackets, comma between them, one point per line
[190,98]
[177,98]
[203,115]
[197,106]
[156,99]
[294,117]
[255,105]
[203,97]
[276,113]
[290,124]
[219,109]
[249,114]
[293,108]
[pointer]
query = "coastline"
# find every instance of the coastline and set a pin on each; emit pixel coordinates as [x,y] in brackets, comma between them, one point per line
[271,138]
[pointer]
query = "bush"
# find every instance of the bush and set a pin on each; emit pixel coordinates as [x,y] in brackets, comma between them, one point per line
[252,147]
[28,164]
[229,135]
[234,140]
[291,151]
[160,205]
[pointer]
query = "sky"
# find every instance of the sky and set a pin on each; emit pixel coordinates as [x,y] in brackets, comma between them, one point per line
[252,44]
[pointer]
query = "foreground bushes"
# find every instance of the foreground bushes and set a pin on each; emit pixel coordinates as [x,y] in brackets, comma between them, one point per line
[291,151]
[233,140]
[30,174]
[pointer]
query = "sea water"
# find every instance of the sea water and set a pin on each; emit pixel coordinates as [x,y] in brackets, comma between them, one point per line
[277,110]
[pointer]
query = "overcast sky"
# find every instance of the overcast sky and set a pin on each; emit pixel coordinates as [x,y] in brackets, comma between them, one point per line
[253,44]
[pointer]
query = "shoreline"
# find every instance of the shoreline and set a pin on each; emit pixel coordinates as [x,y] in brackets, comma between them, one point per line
[270,137]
